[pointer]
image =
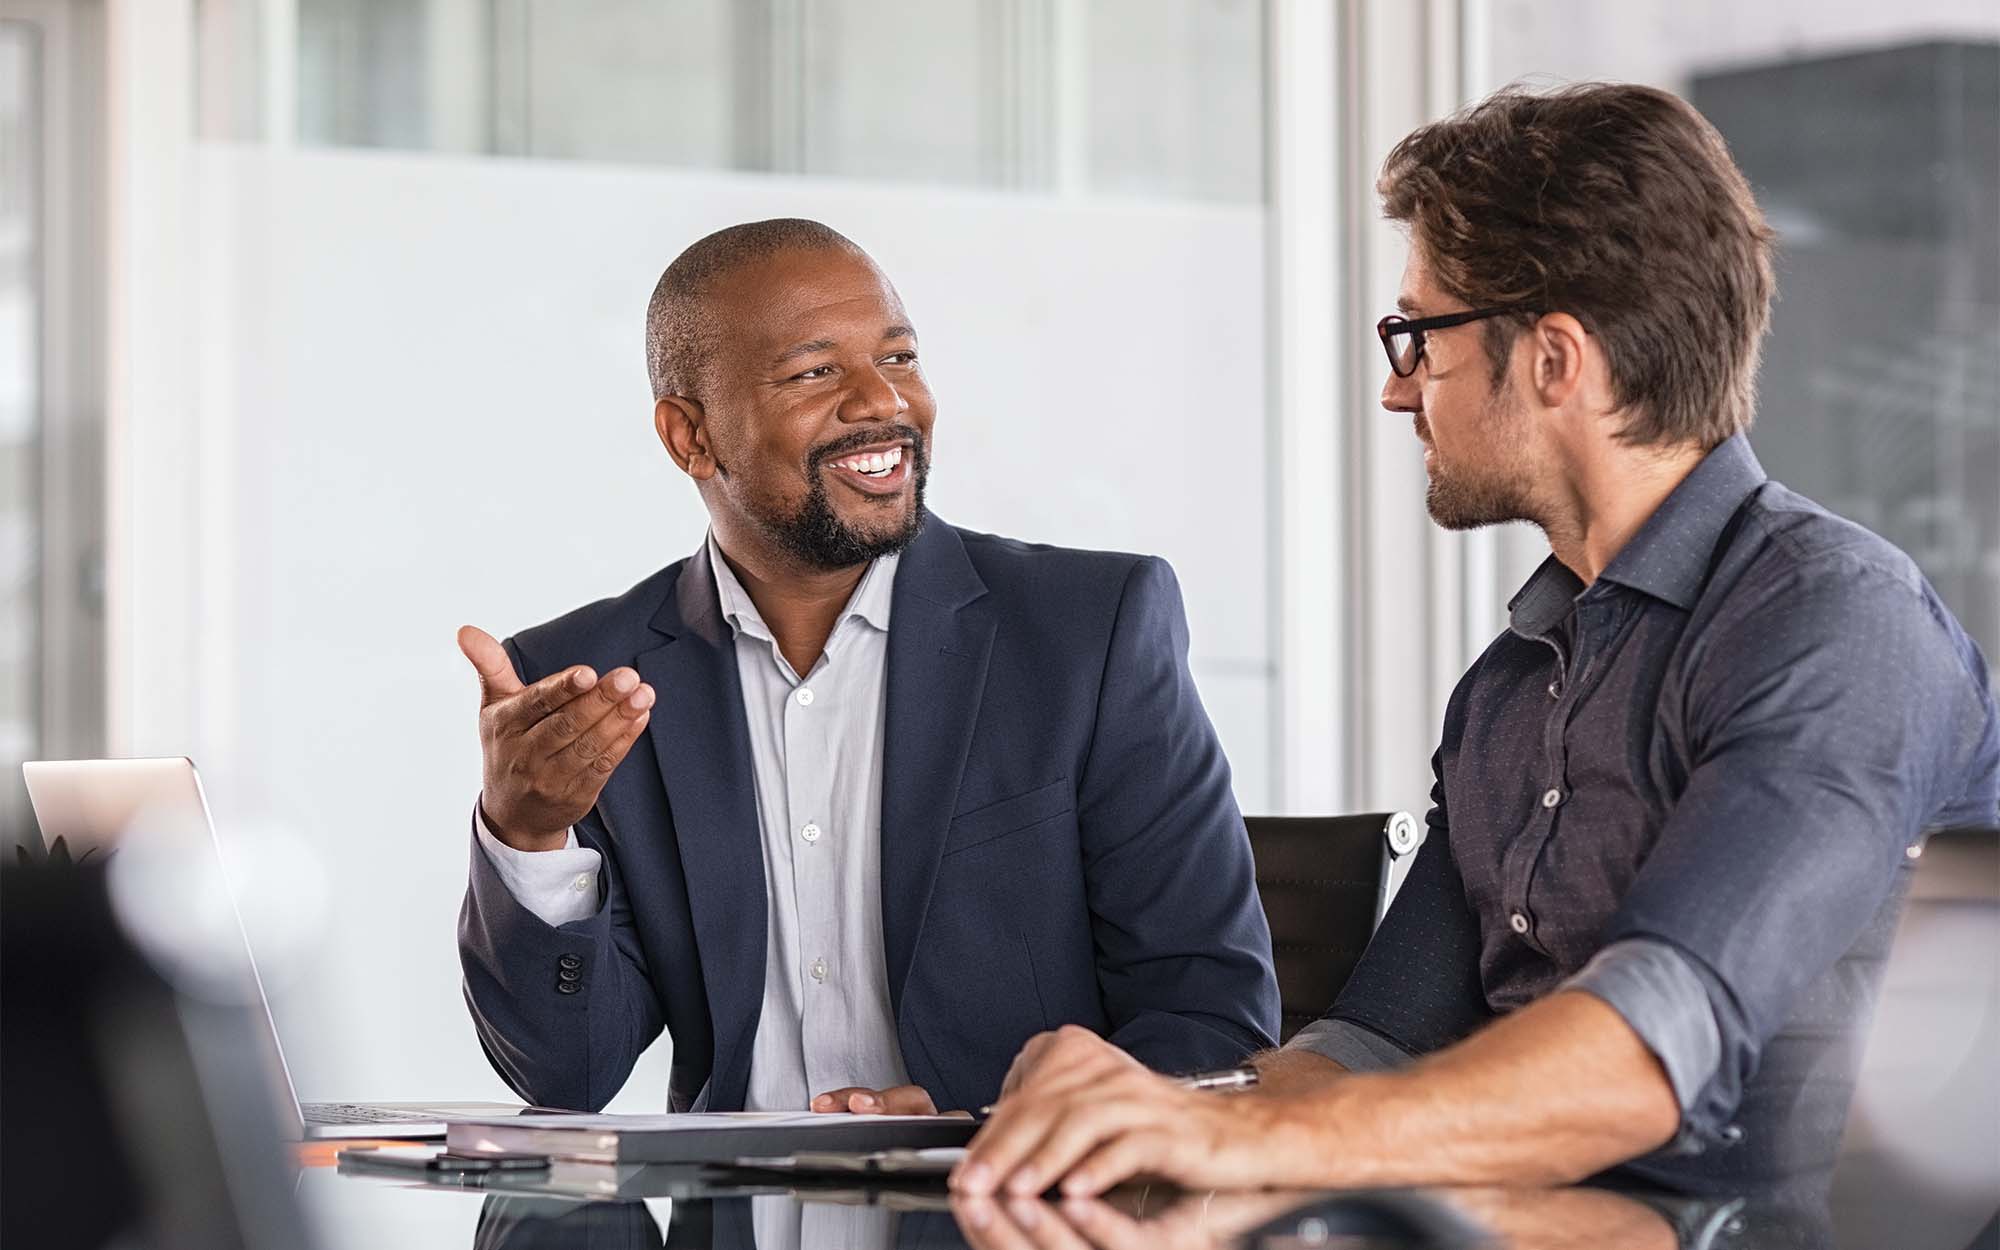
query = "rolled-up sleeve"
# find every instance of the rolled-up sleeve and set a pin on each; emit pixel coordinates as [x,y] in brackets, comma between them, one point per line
[1352,1046]
[1666,1002]
[1824,722]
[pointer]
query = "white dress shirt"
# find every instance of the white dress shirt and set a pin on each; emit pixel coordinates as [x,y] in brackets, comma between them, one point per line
[816,747]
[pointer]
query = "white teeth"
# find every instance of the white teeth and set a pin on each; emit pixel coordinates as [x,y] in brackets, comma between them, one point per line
[874,464]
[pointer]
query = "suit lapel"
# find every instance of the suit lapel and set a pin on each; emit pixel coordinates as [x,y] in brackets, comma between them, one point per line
[702,743]
[940,636]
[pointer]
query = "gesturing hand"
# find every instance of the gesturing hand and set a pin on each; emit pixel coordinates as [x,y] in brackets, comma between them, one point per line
[548,749]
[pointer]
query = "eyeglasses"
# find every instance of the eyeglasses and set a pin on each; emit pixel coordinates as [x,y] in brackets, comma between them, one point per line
[1403,359]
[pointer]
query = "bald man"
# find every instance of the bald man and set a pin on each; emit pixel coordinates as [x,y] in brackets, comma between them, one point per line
[851,802]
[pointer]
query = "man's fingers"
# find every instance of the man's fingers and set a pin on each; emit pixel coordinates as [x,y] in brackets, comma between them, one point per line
[589,725]
[1087,1128]
[903,1100]
[839,1099]
[1016,1128]
[489,659]
[1024,1063]
[1120,1159]
[896,1100]
[1074,1059]
[523,711]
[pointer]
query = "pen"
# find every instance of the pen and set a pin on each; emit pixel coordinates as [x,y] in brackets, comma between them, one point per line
[1241,1077]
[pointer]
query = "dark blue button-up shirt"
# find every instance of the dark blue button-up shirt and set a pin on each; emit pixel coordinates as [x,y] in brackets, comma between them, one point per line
[1711,762]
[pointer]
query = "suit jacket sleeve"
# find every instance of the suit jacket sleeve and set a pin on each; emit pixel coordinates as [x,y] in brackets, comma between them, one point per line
[1183,950]
[556,1046]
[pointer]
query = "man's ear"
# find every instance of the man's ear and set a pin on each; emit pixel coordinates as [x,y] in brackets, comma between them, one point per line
[1560,347]
[683,432]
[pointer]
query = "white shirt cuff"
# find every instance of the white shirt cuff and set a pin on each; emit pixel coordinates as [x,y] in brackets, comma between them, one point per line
[558,886]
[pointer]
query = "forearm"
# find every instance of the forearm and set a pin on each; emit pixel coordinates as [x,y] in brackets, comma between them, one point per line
[1557,1091]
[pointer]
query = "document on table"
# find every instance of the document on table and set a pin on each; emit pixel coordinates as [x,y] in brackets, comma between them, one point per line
[704,1137]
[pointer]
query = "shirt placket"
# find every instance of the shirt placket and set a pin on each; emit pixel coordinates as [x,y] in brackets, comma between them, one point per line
[815,872]
[1523,850]
[1593,622]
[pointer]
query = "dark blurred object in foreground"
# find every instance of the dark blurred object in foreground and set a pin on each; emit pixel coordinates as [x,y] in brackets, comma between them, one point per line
[1920,1162]
[124,1113]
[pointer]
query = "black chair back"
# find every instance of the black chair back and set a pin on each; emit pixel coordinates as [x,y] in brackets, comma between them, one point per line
[1323,881]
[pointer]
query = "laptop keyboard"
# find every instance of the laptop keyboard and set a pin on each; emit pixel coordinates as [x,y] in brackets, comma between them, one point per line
[355,1113]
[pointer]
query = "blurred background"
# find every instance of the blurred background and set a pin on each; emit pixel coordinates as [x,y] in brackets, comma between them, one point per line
[320,335]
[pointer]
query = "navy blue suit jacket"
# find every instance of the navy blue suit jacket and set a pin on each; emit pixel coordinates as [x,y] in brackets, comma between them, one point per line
[1059,840]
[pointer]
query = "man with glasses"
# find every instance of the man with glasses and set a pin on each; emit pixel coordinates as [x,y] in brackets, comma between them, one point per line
[1674,800]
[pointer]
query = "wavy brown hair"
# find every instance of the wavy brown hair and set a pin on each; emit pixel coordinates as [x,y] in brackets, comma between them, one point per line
[1619,205]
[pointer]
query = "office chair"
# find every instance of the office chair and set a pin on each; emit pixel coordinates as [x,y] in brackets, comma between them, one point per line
[1324,881]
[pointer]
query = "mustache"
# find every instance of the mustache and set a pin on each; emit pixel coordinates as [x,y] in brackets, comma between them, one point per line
[870,437]
[1422,427]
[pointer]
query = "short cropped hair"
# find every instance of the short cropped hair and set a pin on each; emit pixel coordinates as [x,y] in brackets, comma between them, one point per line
[1619,205]
[680,333]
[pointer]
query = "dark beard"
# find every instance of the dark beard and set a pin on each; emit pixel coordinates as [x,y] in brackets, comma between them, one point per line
[815,535]
[1457,506]
[1470,502]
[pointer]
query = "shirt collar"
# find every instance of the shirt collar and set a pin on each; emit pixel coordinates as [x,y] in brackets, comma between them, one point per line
[870,601]
[1543,600]
[1668,558]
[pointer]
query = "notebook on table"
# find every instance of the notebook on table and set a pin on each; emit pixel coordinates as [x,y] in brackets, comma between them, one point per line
[703,1136]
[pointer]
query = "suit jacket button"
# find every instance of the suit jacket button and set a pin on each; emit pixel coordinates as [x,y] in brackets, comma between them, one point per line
[570,974]
[570,961]
[567,987]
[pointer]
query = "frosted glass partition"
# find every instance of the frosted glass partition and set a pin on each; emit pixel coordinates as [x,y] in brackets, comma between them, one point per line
[1160,98]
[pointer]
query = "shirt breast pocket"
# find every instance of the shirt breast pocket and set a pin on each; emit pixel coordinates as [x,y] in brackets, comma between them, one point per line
[993,821]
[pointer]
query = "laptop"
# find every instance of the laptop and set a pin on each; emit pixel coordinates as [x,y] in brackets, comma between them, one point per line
[91,803]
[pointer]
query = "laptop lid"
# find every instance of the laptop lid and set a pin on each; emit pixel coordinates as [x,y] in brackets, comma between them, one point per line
[93,805]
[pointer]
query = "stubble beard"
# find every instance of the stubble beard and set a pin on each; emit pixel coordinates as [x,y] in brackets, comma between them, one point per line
[1471,496]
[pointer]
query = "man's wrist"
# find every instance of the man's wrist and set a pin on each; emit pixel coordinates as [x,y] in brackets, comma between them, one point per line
[1326,1134]
[530,842]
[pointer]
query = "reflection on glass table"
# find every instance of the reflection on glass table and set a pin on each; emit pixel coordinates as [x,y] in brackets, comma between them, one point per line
[684,1207]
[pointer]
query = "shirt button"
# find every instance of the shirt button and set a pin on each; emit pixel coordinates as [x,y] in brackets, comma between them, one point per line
[1551,798]
[810,833]
[1518,922]
[581,883]
[819,970]
[805,696]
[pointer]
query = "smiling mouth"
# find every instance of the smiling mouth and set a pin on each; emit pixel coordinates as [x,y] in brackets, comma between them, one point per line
[874,471]
[875,464]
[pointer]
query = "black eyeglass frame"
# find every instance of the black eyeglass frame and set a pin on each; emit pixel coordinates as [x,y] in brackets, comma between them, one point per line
[1393,325]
